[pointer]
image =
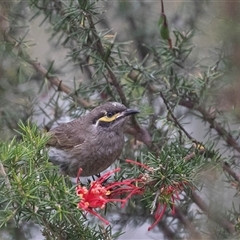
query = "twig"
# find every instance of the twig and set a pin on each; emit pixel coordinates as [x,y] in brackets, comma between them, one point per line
[221,130]
[188,225]
[52,79]
[142,135]
[190,156]
[174,118]
[227,225]
[228,169]
[58,83]
[167,231]
[207,116]
[101,51]
[176,122]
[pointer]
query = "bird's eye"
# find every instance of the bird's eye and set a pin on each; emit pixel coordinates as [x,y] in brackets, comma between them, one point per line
[110,114]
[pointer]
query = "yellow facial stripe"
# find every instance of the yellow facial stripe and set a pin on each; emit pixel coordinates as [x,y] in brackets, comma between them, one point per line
[109,119]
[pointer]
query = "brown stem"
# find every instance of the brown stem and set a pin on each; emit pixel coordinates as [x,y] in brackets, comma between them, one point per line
[207,116]
[174,118]
[188,225]
[142,135]
[162,6]
[221,130]
[101,51]
[223,222]
[58,83]
[190,156]
[228,169]
[167,231]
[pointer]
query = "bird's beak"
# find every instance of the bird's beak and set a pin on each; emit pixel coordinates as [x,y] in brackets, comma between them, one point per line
[128,112]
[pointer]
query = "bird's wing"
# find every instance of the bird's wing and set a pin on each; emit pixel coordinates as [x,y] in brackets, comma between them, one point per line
[68,135]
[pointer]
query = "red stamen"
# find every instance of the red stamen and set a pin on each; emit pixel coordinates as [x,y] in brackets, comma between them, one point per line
[157,210]
[97,196]
[177,195]
[106,175]
[97,215]
[158,216]
[138,163]
[173,205]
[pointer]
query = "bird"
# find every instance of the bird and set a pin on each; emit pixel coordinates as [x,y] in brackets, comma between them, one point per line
[92,142]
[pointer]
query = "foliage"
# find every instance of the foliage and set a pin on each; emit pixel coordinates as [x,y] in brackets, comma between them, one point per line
[162,77]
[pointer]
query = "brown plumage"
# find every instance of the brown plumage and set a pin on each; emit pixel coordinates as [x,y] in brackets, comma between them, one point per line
[92,142]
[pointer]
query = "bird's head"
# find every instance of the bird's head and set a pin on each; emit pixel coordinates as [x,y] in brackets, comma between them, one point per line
[111,115]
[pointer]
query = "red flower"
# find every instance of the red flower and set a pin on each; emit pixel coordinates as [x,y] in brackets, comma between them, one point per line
[173,193]
[97,196]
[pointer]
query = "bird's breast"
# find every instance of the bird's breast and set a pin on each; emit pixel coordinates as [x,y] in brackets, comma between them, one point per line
[106,144]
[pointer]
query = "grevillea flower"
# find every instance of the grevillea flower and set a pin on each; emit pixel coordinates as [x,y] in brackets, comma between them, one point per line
[172,192]
[98,195]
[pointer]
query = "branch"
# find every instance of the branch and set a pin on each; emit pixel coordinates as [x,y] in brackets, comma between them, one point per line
[188,225]
[221,130]
[58,83]
[167,231]
[227,225]
[141,134]
[228,169]
[174,118]
[190,156]
[101,51]
[207,116]
[52,79]
[199,145]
